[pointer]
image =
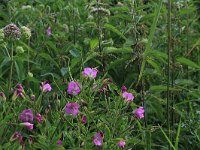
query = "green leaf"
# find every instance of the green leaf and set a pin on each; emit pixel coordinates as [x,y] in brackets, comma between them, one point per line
[49,58]
[94,43]
[177,135]
[75,52]
[161,88]
[154,65]
[20,70]
[117,50]
[167,138]
[115,30]
[64,71]
[150,39]
[187,62]
[5,61]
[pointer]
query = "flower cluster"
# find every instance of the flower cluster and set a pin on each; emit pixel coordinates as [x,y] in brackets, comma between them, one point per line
[11,31]
[28,119]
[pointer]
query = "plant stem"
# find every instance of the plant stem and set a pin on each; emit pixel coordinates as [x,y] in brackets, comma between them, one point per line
[11,69]
[168,67]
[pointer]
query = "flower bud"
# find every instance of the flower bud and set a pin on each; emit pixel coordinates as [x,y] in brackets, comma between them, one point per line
[30,74]
[2,96]
[26,32]
[1,35]
[19,50]
[66,28]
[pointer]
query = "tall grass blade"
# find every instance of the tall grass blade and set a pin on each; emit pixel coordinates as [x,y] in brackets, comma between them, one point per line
[150,39]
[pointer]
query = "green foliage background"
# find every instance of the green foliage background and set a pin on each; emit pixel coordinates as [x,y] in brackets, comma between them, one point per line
[128,41]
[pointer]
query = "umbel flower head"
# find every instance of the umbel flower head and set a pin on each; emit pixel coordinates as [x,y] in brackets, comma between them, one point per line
[26,32]
[72,108]
[12,32]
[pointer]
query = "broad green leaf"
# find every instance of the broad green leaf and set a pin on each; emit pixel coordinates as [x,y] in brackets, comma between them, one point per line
[117,50]
[115,30]
[64,71]
[187,62]
[75,52]
[94,43]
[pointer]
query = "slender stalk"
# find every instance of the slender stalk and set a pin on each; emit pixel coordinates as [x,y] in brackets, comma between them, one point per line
[168,67]
[28,61]
[11,68]
[74,23]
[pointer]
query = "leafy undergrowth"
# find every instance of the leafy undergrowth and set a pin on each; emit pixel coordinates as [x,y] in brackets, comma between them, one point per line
[99,74]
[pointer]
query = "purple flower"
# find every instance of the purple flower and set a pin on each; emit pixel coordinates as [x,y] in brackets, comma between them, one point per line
[98,139]
[19,91]
[32,97]
[123,89]
[128,96]
[39,118]
[49,32]
[28,125]
[139,112]
[72,108]
[74,88]
[2,96]
[90,72]
[59,142]
[19,137]
[45,86]
[26,115]
[121,143]
[83,119]
[15,136]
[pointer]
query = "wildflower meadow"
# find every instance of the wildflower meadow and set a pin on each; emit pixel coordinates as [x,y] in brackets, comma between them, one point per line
[99,74]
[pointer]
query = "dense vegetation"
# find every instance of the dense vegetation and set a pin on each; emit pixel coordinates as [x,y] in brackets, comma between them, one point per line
[100,74]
